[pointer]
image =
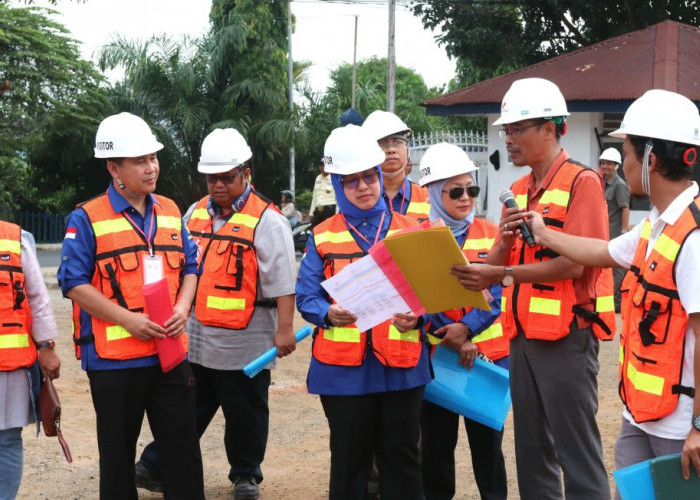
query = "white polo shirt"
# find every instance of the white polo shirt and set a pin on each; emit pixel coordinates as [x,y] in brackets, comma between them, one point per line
[677,424]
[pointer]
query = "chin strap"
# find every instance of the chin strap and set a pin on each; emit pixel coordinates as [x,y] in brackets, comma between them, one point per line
[645,167]
[398,171]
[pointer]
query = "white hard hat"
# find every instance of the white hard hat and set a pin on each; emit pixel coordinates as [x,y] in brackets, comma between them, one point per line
[611,154]
[660,114]
[531,98]
[125,136]
[443,161]
[350,149]
[383,124]
[222,150]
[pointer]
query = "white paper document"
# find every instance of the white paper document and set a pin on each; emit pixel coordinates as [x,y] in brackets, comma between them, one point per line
[364,290]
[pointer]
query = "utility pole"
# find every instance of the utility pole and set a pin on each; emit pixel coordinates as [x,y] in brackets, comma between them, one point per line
[391,60]
[291,95]
[354,66]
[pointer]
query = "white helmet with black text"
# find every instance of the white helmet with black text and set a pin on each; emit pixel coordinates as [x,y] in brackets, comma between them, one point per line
[125,136]
[350,149]
[442,161]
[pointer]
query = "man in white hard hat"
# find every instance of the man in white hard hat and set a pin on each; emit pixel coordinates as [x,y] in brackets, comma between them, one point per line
[660,352]
[114,244]
[400,194]
[617,196]
[244,305]
[553,308]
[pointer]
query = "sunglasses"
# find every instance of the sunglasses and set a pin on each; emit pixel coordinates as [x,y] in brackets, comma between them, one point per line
[457,192]
[224,178]
[368,178]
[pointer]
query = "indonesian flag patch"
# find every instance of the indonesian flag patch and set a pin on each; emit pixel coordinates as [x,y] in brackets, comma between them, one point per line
[70,233]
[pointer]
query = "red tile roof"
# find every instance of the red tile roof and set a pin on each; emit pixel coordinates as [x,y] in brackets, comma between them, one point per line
[664,56]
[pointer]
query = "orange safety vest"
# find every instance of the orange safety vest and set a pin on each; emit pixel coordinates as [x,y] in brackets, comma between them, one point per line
[419,206]
[346,345]
[118,271]
[17,349]
[654,323]
[491,341]
[228,281]
[545,310]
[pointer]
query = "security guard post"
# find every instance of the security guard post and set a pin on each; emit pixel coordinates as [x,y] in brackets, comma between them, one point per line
[659,348]
[113,243]
[553,309]
[447,172]
[244,305]
[400,193]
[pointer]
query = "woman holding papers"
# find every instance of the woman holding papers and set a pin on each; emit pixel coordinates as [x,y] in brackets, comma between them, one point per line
[371,383]
[446,171]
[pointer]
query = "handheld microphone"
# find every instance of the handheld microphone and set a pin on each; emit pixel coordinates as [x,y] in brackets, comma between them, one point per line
[506,197]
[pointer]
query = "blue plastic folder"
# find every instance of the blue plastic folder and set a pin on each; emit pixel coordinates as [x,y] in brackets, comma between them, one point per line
[635,482]
[481,394]
[259,363]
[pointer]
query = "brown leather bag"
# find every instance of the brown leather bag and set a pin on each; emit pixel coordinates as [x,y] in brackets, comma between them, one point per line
[50,411]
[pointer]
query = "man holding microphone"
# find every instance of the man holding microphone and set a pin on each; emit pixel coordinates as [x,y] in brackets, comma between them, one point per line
[549,302]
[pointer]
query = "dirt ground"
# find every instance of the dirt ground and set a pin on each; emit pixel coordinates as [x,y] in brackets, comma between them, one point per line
[297,460]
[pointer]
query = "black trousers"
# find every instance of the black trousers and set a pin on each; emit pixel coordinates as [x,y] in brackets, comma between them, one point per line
[387,424]
[244,402]
[120,398]
[439,428]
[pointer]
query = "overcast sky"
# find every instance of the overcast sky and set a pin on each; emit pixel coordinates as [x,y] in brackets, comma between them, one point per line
[324,31]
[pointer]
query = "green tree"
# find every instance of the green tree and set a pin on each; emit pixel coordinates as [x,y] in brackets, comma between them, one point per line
[492,37]
[53,104]
[233,77]
[322,111]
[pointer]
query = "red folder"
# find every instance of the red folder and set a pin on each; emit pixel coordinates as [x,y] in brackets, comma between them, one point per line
[159,308]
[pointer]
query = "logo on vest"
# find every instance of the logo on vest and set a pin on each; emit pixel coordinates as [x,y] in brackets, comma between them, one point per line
[653,265]
[174,236]
[546,209]
[5,257]
[483,255]
[236,229]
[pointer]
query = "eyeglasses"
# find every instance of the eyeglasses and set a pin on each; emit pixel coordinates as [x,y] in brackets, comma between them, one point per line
[224,178]
[387,144]
[457,192]
[514,132]
[368,178]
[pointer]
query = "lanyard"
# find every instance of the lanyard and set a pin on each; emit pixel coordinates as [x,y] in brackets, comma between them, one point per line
[403,199]
[151,229]
[212,220]
[376,236]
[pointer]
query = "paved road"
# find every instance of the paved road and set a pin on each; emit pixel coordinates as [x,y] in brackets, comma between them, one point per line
[49,258]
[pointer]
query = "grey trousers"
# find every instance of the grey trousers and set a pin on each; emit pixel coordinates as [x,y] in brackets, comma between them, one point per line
[633,445]
[554,389]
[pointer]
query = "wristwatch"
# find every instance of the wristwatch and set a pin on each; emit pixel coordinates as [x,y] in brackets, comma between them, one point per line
[508,277]
[696,422]
[48,343]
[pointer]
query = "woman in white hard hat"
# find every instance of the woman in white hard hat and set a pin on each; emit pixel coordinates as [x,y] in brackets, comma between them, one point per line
[371,383]
[659,356]
[446,171]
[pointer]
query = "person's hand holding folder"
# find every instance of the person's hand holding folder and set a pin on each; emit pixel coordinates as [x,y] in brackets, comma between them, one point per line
[476,277]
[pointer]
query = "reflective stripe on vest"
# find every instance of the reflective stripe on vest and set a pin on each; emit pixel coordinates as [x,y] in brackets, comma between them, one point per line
[17,349]
[346,346]
[545,311]
[655,323]
[490,341]
[228,282]
[119,250]
[419,206]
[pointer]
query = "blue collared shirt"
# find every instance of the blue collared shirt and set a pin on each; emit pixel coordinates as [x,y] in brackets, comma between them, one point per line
[78,267]
[400,202]
[313,303]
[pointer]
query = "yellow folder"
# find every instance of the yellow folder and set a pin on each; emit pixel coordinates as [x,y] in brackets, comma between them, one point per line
[425,258]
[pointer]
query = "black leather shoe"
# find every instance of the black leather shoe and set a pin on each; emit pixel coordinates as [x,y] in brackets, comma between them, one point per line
[245,488]
[146,479]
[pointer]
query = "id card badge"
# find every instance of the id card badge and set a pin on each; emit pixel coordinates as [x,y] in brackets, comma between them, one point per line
[152,268]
